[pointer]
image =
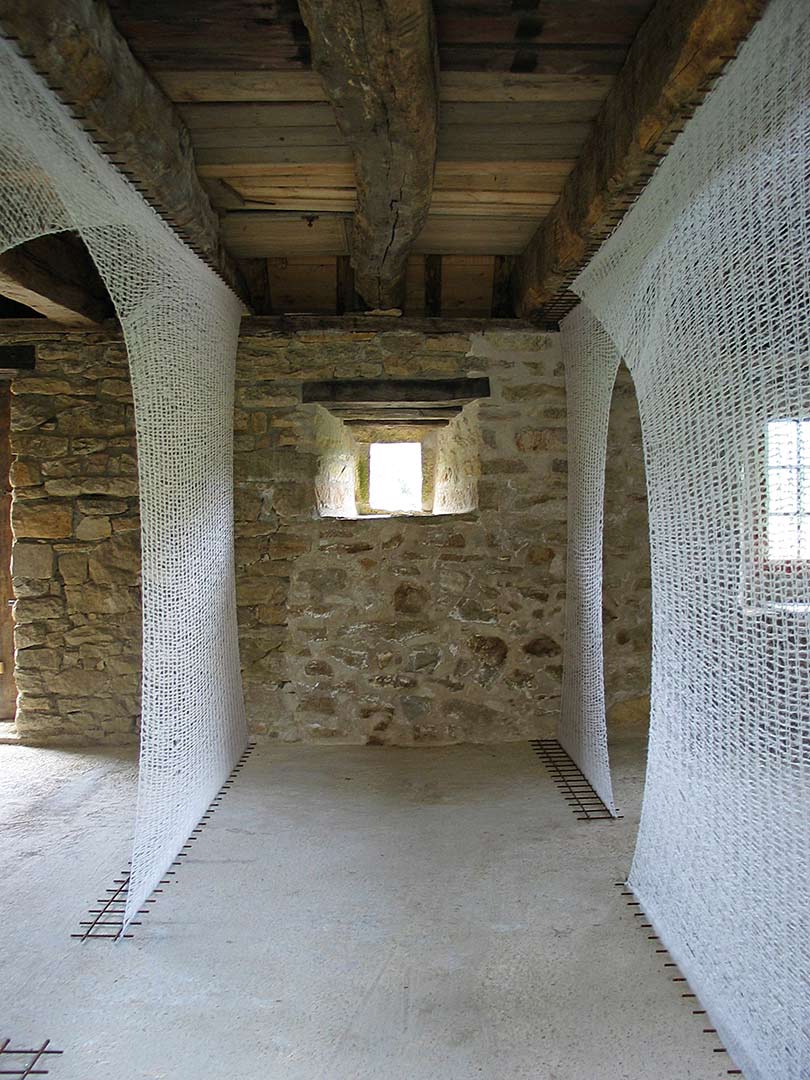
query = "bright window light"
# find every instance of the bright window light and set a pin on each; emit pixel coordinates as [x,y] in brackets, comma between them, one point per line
[395,476]
[788,489]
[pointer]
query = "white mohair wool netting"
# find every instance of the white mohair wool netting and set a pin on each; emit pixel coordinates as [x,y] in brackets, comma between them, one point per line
[591,364]
[180,323]
[705,291]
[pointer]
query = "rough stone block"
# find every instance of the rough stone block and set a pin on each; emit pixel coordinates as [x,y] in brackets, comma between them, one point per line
[32,560]
[44,520]
[93,528]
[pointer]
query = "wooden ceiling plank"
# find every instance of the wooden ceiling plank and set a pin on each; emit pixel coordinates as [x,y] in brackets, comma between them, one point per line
[290,87]
[677,53]
[450,176]
[75,45]
[531,57]
[379,66]
[247,160]
[557,24]
[259,235]
[241,86]
[230,196]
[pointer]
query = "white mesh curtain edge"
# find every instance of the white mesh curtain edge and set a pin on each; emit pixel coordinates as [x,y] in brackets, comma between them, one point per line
[180,325]
[591,363]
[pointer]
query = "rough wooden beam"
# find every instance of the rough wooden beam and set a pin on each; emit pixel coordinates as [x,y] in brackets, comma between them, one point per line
[55,276]
[379,65]
[394,393]
[278,326]
[76,47]
[679,51]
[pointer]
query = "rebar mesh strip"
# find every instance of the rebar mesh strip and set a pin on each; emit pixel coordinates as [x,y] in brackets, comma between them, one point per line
[108,922]
[28,1068]
[180,323]
[571,781]
[591,363]
[705,289]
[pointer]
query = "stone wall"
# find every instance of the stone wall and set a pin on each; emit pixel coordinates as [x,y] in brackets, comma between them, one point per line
[406,630]
[76,555]
[626,593]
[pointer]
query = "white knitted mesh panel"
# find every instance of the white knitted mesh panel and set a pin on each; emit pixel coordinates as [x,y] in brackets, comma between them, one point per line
[591,363]
[180,323]
[705,289]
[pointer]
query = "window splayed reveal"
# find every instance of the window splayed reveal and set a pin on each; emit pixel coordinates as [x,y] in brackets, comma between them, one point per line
[788,487]
[395,476]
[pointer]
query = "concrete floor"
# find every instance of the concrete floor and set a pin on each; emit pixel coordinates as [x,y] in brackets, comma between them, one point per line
[349,914]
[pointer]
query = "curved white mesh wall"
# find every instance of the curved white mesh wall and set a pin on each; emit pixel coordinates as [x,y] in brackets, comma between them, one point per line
[180,323]
[591,363]
[705,289]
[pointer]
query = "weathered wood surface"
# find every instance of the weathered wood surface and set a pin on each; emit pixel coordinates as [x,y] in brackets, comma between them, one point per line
[454,86]
[55,276]
[381,393]
[557,37]
[252,234]
[679,50]
[78,50]
[276,326]
[379,66]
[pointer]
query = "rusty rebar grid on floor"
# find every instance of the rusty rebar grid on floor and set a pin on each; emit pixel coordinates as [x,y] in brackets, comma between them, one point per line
[26,1068]
[571,781]
[627,890]
[107,920]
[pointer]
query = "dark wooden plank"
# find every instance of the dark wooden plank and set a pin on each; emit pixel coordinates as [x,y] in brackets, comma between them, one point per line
[502,304]
[256,277]
[211,33]
[532,58]
[421,393]
[679,51]
[433,285]
[377,59]
[347,299]
[303,283]
[415,422]
[561,23]
[353,412]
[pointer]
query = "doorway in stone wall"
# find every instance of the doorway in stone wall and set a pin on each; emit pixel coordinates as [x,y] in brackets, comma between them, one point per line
[8,689]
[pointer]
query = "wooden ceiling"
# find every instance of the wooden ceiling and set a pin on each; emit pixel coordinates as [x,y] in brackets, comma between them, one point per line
[520,83]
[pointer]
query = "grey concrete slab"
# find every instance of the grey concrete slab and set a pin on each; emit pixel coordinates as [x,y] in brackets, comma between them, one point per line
[349,914]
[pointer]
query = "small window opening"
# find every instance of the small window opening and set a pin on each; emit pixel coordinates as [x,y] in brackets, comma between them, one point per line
[395,476]
[788,486]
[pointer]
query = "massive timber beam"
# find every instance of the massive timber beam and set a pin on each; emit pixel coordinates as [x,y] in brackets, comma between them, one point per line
[55,276]
[682,46]
[76,47]
[379,66]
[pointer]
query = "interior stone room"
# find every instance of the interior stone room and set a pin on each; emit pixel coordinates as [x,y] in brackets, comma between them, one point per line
[381,629]
[404,539]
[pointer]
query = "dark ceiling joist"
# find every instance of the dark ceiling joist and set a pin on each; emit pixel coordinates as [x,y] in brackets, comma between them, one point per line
[55,276]
[379,66]
[681,48]
[76,47]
